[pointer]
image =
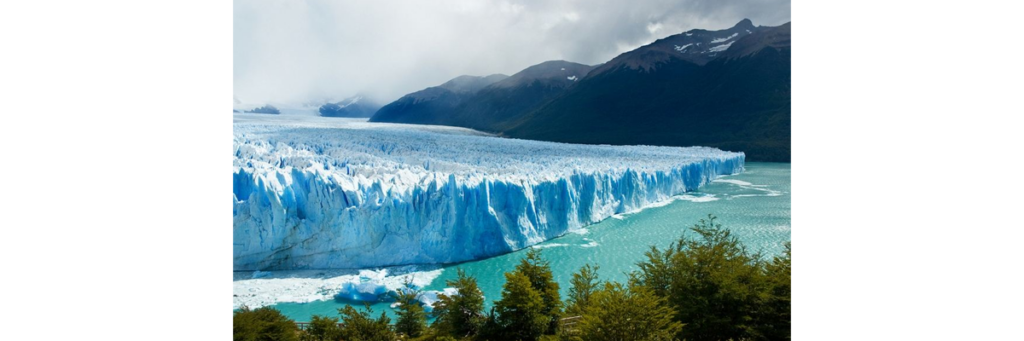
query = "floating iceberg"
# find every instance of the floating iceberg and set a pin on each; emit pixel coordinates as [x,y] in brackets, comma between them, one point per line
[363,292]
[316,193]
[382,291]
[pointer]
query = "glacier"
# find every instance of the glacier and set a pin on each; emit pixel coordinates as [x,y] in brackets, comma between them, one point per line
[329,193]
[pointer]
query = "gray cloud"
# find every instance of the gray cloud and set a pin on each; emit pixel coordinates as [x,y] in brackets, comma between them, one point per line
[288,51]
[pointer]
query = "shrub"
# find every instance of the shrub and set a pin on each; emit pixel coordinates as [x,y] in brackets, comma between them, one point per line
[263,324]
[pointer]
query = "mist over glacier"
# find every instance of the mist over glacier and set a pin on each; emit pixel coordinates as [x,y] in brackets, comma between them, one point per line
[316,193]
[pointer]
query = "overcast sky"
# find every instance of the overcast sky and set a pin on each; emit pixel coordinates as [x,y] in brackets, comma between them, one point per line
[289,51]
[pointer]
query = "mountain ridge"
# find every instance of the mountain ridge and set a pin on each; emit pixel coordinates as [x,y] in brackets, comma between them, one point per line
[497,104]
[429,105]
[728,89]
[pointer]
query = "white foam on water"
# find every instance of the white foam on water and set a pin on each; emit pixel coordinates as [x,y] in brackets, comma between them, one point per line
[551,245]
[768,192]
[301,287]
[580,231]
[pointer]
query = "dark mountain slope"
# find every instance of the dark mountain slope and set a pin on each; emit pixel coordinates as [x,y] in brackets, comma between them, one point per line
[427,106]
[739,100]
[728,89]
[495,106]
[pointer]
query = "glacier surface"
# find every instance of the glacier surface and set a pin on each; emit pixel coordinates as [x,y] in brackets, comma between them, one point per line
[329,193]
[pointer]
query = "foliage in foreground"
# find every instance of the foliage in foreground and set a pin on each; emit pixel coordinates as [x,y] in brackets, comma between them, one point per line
[460,315]
[538,271]
[263,324]
[702,287]
[775,315]
[412,319]
[584,284]
[322,328]
[521,312]
[719,290]
[359,326]
[624,313]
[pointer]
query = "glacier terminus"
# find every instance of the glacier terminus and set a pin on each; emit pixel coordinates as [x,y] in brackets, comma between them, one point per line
[330,193]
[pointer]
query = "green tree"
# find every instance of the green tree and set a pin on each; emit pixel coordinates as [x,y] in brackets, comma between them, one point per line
[263,324]
[775,317]
[634,312]
[584,283]
[359,326]
[412,319]
[460,315]
[712,282]
[538,271]
[520,314]
[322,328]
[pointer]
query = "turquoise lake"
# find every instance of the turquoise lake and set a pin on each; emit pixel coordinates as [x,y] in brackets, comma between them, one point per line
[755,205]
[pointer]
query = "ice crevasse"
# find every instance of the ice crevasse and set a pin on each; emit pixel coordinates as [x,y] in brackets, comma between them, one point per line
[345,194]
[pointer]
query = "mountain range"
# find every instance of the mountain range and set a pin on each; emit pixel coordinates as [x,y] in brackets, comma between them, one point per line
[728,89]
[357,106]
[266,109]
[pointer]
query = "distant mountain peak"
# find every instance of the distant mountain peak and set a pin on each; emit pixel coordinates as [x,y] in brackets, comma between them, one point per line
[695,46]
[745,24]
[777,37]
[355,106]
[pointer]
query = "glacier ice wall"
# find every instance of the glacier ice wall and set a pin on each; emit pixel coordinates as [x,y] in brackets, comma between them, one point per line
[312,193]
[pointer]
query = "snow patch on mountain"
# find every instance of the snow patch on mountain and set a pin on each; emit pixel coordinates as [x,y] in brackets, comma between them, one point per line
[722,40]
[721,48]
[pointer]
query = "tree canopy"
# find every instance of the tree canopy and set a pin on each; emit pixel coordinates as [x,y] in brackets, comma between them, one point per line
[538,271]
[263,324]
[521,312]
[412,319]
[460,315]
[719,290]
[626,313]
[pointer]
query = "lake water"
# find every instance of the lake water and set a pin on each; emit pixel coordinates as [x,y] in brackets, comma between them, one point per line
[755,205]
